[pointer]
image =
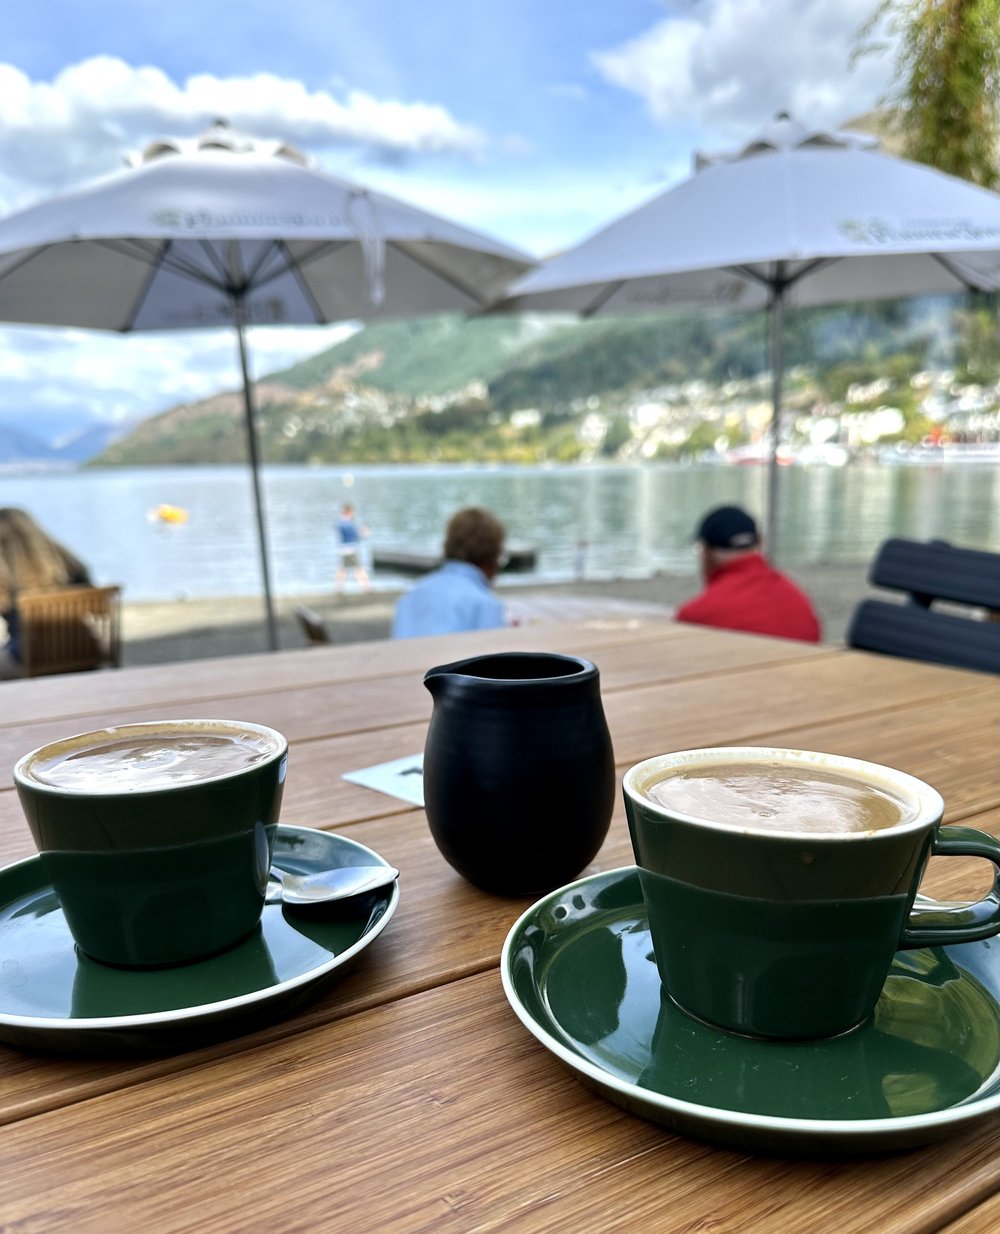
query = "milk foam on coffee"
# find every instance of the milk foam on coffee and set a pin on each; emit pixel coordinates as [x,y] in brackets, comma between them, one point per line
[781,796]
[142,759]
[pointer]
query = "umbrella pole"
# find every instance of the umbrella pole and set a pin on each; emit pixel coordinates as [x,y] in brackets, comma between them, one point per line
[265,571]
[777,315]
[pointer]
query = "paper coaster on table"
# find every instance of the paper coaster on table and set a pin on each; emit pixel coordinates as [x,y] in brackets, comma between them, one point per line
[402,777]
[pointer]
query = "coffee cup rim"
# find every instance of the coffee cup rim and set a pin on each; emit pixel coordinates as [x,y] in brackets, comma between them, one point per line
[22,777]
[929,802]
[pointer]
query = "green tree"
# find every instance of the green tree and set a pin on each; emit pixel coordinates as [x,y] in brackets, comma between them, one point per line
[977,344]
[945,95]
[701,439]
[618,435]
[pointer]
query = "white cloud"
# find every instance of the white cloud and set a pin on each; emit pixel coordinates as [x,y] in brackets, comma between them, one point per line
[91,114]
[49,377]
[730,65]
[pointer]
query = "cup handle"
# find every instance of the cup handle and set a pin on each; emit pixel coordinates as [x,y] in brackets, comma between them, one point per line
[938,924]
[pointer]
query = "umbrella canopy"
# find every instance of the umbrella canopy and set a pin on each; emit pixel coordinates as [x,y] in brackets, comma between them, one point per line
[227,231]
[796,216]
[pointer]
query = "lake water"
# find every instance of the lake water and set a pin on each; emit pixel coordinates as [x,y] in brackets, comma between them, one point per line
[606,521]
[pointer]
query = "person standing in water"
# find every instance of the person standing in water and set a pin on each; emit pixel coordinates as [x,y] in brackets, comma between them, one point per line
[351,533]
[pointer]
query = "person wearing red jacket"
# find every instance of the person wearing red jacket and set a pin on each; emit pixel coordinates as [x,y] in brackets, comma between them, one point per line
[743,591]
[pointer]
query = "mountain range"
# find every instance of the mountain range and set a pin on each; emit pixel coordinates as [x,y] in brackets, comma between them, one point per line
[21,447]
[502,387]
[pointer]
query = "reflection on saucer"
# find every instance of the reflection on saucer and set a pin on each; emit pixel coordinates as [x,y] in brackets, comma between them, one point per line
[579,972]
[103,990]
[945,1029]
[53,997]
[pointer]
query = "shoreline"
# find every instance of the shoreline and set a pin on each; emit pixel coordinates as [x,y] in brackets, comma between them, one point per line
[171,631]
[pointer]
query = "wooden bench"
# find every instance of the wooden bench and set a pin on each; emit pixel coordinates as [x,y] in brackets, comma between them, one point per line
[928,573]
[312,624]
[69,629]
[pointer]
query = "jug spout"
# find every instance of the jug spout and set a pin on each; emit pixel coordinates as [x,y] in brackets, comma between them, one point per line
[438,679]
[435,681]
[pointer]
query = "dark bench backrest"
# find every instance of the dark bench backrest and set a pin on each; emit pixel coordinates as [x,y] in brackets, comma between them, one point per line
[925,572]
[936,570]
[917,633]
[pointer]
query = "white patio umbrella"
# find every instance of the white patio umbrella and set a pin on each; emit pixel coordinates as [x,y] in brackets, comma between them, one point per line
[229,232]
[795,217]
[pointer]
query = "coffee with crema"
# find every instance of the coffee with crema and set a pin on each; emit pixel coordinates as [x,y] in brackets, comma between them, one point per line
[779,884]
[780,796]
[144,758]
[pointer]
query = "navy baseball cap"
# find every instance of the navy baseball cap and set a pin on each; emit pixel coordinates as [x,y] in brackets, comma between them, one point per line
[728,527]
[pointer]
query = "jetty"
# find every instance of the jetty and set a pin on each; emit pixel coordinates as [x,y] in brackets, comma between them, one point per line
[518,559]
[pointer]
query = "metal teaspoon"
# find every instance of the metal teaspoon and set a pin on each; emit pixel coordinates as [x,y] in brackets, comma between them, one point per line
[337,884]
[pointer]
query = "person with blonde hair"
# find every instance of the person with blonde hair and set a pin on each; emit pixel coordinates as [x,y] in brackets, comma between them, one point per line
[458,596]
[29,559]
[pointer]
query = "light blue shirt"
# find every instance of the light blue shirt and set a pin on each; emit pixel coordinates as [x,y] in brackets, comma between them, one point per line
[454,597]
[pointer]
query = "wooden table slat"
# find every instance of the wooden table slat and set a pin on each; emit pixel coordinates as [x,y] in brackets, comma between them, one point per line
[233,676]
[471,1124]
[983,1219]
[321,707]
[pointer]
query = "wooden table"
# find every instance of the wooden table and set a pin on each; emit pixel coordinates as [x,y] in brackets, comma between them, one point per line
[408,1097]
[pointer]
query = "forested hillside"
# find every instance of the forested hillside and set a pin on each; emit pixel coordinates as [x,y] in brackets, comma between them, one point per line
[522,388]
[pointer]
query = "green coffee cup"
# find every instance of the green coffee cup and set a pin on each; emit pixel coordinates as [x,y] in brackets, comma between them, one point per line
[767,916]
[157,837]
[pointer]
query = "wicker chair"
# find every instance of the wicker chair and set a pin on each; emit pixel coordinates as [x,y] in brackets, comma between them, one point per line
[69,629]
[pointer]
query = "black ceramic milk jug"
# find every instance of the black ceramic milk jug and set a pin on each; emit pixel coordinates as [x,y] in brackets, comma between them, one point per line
[519,775]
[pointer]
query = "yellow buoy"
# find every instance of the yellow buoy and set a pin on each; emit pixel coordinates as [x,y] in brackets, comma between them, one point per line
[171,514]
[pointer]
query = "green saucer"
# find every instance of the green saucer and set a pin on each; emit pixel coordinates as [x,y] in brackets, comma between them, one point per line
[578,970]
[54,998]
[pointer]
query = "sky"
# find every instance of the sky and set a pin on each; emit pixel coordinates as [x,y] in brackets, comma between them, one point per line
[536,121]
